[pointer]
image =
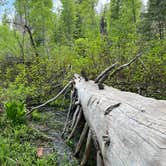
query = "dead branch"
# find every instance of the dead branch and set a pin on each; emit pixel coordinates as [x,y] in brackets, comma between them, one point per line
[125,65]
[52,99]
[87,149]
[143,64]
[105,72]
[81,140]
[26,27]
[75,116]
[31,39]
[76,124]
[72,103]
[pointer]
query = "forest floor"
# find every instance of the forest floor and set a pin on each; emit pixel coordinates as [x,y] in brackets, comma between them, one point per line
[38,142]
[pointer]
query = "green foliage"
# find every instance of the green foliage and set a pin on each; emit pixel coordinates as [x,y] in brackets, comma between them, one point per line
[87,22]
[81,46]
[70,143]
[37,116]
[18,146]
[8,43]
[15,112]
[153,20]
[65,42]
[67,20]
[71,40]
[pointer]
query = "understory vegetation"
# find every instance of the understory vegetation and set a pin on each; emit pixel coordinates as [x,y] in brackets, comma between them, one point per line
[19,143]
[41,47]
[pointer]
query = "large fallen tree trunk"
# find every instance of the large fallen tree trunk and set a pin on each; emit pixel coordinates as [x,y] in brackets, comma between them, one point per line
[126,129]
[130,130]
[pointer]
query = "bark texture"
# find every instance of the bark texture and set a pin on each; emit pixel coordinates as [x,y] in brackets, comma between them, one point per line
[130,129]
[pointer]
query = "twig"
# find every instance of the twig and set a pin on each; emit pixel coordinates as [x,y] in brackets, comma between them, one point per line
[52,99]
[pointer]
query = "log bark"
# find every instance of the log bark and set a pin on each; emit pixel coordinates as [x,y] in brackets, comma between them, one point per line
[131,133]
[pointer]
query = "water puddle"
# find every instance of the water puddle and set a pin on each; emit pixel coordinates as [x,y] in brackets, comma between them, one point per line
[52,125]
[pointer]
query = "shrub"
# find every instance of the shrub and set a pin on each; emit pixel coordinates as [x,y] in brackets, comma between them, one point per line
[15,112]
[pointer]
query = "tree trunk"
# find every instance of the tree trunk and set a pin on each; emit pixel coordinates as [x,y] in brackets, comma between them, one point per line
[130,129]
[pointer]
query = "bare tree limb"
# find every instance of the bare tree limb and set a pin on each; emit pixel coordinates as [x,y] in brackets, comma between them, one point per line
[87,149]
[25,26]
[125,65]
[72,103]
[105,72]
[81,140]
[52,99]
[31,39]
[76,124]
[75,116]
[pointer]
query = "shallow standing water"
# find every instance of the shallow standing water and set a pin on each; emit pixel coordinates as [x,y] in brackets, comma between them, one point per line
[52,127]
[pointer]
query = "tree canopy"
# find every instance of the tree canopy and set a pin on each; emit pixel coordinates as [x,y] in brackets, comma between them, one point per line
[41,47]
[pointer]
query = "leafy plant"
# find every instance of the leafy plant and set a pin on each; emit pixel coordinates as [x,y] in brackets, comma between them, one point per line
[15,111]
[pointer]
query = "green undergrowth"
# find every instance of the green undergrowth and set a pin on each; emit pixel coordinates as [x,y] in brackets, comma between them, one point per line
[18,145]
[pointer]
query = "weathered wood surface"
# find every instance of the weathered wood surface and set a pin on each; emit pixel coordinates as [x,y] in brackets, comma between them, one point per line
[131,134]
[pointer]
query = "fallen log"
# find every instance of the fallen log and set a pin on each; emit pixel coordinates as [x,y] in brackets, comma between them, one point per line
[130,129]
